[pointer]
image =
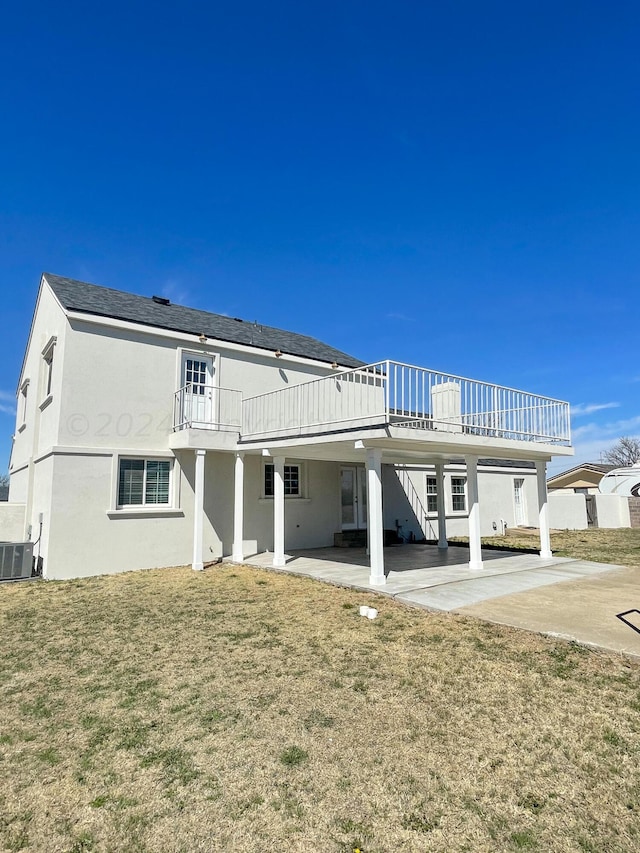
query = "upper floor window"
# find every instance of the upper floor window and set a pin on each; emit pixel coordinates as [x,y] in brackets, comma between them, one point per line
[47,357]
[22,404]
[459,494]
[292,481]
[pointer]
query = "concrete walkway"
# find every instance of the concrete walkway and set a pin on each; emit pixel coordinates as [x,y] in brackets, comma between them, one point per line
[512,588]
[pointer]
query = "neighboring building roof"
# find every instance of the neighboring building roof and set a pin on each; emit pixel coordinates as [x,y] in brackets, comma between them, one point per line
[105,302]
[595,467]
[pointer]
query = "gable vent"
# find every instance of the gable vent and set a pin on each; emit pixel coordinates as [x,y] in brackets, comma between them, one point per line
[161,300]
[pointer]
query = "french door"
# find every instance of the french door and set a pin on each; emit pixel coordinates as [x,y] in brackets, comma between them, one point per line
[353,497]
[197,381]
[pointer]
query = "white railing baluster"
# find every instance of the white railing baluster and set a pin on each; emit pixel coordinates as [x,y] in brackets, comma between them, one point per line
[389,392]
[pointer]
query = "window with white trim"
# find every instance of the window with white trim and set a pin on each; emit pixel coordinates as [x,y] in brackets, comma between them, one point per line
[459,494]
[292,481]
[432,495]
[22,410]
[47,357]
[144,482]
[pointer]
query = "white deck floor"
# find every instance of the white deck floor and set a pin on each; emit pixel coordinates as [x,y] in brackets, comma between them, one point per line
[424,576]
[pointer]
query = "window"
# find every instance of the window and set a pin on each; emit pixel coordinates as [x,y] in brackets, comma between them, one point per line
[22,411]
[432,494]
[459,494]
[47,356]
[144,482]
[291,481]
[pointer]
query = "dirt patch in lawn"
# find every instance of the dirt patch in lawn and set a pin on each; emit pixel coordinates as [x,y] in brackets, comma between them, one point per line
[240,710]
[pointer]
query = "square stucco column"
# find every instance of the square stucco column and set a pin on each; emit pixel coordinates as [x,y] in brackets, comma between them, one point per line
[442,510]
[475,543]
[376,524]
[238,509]
[198,511]
[278,511]
[543,511]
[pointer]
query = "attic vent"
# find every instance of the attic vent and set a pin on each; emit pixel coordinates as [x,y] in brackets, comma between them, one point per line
[161,300]
[238,320]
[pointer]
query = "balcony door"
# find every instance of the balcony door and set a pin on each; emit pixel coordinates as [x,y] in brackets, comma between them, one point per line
[353,497]
[198,399]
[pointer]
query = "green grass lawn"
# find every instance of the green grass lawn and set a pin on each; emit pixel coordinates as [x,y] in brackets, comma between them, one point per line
[241,710]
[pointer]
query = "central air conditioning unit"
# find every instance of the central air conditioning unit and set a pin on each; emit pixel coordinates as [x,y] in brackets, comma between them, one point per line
[16,559]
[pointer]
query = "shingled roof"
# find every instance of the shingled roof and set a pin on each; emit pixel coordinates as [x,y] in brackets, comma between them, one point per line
[105,302]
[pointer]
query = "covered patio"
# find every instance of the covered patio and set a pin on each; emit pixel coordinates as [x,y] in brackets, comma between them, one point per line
[431,577]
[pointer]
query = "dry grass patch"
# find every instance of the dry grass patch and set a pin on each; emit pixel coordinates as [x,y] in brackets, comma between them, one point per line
[238,710]
[621,547]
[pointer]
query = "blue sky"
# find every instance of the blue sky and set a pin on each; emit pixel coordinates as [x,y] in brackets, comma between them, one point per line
[454,184]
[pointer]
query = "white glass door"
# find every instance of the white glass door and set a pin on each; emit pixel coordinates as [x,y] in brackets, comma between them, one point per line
[197,381]
[518,500]
[361,479]
[353,498]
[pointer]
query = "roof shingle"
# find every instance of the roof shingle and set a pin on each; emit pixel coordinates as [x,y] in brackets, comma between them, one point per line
[105,302]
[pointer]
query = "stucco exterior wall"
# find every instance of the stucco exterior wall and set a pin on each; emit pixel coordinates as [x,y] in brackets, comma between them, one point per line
[310,521]
[612,511]
[39,427]
[86,538]
[120,383]
[567,511]
[86,535]
[495,492]
[11,522]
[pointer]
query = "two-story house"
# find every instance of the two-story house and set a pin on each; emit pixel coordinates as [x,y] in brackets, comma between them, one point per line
[150,435]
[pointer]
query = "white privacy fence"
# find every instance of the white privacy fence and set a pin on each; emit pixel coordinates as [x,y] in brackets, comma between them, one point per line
[389,392]
[207,407]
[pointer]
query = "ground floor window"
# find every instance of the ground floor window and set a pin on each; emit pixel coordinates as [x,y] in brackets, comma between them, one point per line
[459,494]
[144,482]
[432,495]
[292,481]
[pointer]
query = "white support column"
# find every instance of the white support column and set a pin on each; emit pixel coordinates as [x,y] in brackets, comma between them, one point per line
[237,553]
[543,511]
[278,511]
[442,509]
[376,523]
[475,543]
[198,511]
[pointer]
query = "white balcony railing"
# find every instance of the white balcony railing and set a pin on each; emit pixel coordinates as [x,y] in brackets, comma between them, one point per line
[390,393]
[207,407]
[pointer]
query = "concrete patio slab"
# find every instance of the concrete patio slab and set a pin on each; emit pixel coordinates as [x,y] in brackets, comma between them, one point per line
[576,599]
[585,610]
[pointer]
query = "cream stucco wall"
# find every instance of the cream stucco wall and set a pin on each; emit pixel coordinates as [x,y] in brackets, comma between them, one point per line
[612,511]
[567,511]
[86,536]
[495,492]
[120,383]
[39,428]
[11,521]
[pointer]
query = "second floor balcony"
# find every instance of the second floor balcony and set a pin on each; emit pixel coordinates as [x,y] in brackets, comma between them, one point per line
[386,394]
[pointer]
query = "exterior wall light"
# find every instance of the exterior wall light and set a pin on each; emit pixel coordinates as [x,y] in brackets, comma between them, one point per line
[202,338]
[278,354]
